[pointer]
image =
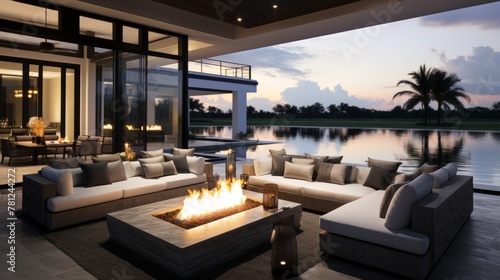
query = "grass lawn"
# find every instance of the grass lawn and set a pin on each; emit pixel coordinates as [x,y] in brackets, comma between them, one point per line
[405,124]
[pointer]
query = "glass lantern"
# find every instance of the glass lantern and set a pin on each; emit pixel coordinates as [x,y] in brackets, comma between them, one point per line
[231,166]
[244,181]
[270,197]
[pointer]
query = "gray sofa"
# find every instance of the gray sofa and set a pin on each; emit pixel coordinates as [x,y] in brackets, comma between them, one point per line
[44,201]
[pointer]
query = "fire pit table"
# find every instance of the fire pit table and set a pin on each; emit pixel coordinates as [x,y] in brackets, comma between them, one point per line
[187,252]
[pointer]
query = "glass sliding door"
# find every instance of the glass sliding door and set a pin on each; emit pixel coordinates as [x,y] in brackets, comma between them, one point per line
[11,96]
[163,103]
[52,96]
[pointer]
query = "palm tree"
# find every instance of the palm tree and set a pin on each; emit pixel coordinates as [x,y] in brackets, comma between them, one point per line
[421,90]
[445,91]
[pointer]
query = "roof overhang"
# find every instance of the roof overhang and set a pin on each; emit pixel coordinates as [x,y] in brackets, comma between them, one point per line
[211,37]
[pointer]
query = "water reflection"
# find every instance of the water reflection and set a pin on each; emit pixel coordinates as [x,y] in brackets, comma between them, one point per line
[476,153]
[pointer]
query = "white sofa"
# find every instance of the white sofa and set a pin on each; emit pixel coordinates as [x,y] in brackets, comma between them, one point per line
[50,203]
[314,195]
[421,217]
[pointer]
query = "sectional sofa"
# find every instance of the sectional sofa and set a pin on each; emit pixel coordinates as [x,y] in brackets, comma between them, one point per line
[70,193]
[374,215]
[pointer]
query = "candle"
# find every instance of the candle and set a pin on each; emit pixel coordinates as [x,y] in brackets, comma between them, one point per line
[230,172]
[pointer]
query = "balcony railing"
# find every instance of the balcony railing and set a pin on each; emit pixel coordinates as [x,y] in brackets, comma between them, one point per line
[222,68]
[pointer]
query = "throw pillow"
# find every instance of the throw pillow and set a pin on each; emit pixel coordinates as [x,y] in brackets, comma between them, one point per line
[317,159]
[65,163]
[334,159]
[452,169]
[132,168]
[298,171]
[350,174]
[379,178]
[428,168]
[278,167]
[263,166]
[116,171]
[54,174]
[331,173]
[196,165]
[440,177]
[186,152]
[180,162]
[108,158]
[361,174]
[155,170]
[95,174]
[399,212]
[388,195]
[394,165]
[302,160]
[153,153]
[281,152]
[65,184]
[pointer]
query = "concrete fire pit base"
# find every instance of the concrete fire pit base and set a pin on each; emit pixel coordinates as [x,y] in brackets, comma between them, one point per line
[188,252]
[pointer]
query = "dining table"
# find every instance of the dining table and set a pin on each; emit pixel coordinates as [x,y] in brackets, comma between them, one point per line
[37,146]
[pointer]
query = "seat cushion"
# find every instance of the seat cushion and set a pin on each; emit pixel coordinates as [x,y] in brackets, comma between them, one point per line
[182,180]
[335,192]
[138,185]
[83,196]
[287,185]
[360,220]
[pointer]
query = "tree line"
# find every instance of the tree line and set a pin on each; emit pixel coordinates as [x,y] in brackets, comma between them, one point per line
[428,85]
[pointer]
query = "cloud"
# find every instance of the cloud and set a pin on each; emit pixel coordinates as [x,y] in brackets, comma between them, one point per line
[479,72]
[280,59]
[308,92]
[261,103]
[482,16]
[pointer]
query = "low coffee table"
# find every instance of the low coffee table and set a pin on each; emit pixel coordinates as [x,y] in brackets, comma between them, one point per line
[188,252]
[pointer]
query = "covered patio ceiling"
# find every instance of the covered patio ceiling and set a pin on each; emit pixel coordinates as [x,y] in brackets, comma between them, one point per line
[213,28]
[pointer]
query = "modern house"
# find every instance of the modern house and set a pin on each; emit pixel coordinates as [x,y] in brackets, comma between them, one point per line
[122,68]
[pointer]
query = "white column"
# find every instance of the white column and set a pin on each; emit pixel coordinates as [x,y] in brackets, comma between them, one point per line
[239,120]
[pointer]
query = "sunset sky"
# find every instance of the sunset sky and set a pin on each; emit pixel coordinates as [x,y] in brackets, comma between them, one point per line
[362,67]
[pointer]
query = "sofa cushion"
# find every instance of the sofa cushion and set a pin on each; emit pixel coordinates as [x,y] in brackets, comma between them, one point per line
[335,192]
[180,162]
[379,178]
[287,185]
[331,173]
[83,196]
[152,153]
[278,165]
[440,177]
[182,180]
[95,174]
[185,152]
[399,212]
[156,159]
[263,166]
[360,220]
[138,185]
[65,184]
[388,195]
[298,171]
[65,163]
[116,171]
[350,174]
[393,165]
[54,174]
[196,165]
[108,158]
[155,170]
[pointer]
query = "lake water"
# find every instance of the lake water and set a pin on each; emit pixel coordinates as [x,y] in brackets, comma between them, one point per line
[476,152]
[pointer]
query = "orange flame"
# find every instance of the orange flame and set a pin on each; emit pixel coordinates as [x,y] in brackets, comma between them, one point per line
[198,203]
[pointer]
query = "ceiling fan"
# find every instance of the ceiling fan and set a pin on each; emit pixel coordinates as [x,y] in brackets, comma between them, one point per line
[49,47]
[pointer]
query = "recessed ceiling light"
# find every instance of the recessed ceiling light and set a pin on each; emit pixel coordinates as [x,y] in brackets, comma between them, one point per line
[275,6]
[239,19]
